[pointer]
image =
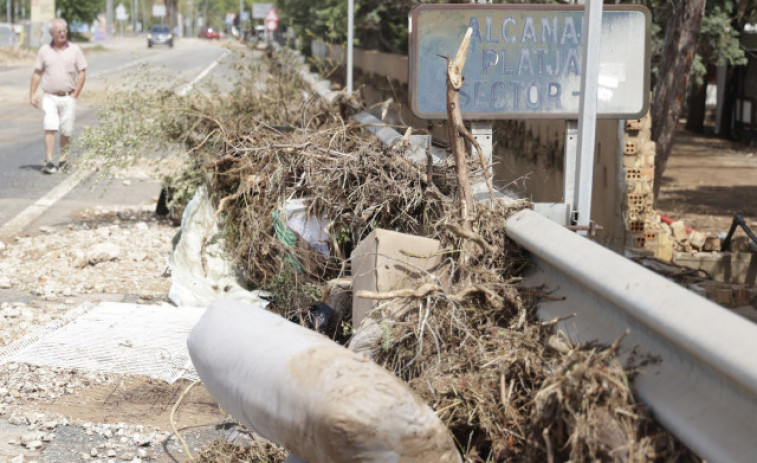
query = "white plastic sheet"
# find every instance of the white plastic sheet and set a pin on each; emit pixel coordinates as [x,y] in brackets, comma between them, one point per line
[191,285]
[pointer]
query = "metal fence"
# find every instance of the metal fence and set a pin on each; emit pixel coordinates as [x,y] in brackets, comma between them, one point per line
[7,35]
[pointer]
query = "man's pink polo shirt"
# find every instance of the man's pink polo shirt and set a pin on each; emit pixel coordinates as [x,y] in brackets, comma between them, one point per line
[59,67]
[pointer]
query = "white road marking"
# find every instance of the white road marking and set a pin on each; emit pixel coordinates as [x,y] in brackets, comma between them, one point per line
[33,212]
[202,75]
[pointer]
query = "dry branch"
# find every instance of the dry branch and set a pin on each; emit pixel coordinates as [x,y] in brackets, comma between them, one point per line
[455,124]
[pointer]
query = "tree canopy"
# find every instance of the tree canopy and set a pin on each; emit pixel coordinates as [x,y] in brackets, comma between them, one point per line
[84,11]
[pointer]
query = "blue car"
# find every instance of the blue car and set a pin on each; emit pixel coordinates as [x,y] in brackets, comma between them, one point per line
[159,34]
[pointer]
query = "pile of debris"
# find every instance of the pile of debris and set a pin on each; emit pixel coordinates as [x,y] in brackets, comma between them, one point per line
[463,335]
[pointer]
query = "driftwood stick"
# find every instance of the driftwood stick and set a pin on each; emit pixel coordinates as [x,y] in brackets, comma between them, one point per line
[455,123]
[469,234]
[422,291]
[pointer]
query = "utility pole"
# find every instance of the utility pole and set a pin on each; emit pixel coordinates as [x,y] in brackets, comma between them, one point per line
[133,16]
[350,40]
[108,17]
[8,11]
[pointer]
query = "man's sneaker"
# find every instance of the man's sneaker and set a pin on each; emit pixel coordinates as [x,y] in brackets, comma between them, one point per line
[49,168]
[62,164]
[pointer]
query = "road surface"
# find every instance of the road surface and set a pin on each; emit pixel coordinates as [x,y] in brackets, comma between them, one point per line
[24,191]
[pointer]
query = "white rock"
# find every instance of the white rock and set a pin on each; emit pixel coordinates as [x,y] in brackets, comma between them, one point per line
[30,437]
[2,246]
[34,445]
[103,252]
[50,425]
[11,312]
[5,282]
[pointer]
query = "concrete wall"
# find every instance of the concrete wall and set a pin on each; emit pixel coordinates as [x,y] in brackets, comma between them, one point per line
[527,154]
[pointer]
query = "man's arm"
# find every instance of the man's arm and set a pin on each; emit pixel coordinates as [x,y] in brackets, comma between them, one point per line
[36,77]
[80,78]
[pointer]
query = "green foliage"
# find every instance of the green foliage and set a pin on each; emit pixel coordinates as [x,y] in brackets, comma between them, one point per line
[290,294]
[718,40]
[722,24]
[80,10]
[379,25]
[144,121]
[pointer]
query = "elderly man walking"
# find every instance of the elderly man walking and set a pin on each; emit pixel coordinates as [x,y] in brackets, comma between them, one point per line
[61,69]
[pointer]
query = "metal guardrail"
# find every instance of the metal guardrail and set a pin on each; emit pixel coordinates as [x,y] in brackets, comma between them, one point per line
[702,382]
[700,374]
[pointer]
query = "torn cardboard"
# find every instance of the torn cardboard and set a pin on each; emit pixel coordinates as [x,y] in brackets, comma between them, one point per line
[386,260]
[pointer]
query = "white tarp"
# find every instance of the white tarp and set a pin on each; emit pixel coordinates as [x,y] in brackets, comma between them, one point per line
[190,285]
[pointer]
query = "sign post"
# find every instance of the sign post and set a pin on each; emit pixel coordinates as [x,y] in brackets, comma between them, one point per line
[532,62]
[121,16]
[482,131]
[587,121]
[271,23]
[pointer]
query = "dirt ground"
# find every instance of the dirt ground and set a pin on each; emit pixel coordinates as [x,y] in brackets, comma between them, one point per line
[707,181]
[11,56]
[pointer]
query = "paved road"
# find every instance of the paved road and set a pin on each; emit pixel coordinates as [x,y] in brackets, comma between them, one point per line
[118,62]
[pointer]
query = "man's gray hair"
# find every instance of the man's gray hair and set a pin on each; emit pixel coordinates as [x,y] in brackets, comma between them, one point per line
[58,20]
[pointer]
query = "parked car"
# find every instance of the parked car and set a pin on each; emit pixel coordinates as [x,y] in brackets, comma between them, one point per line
[159,34]
[210,33]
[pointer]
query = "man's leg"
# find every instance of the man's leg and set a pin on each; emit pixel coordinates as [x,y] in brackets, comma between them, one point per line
[67,117]
[50,145]
[64,139]
[49,167]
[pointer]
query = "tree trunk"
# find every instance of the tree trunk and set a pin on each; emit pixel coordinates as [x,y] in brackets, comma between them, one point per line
[697,108]
[675,63]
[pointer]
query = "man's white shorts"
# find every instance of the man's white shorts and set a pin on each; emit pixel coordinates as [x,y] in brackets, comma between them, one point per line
[60,112]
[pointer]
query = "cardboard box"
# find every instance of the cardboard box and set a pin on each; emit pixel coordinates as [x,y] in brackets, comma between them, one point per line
[385,261]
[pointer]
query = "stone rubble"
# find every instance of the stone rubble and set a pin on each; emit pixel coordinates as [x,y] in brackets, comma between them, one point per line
[115,252]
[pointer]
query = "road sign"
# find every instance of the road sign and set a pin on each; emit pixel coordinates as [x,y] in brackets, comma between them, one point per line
[272,15]
[525,60]
[260,10]
[271,25]
[121,14]
[159,11]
